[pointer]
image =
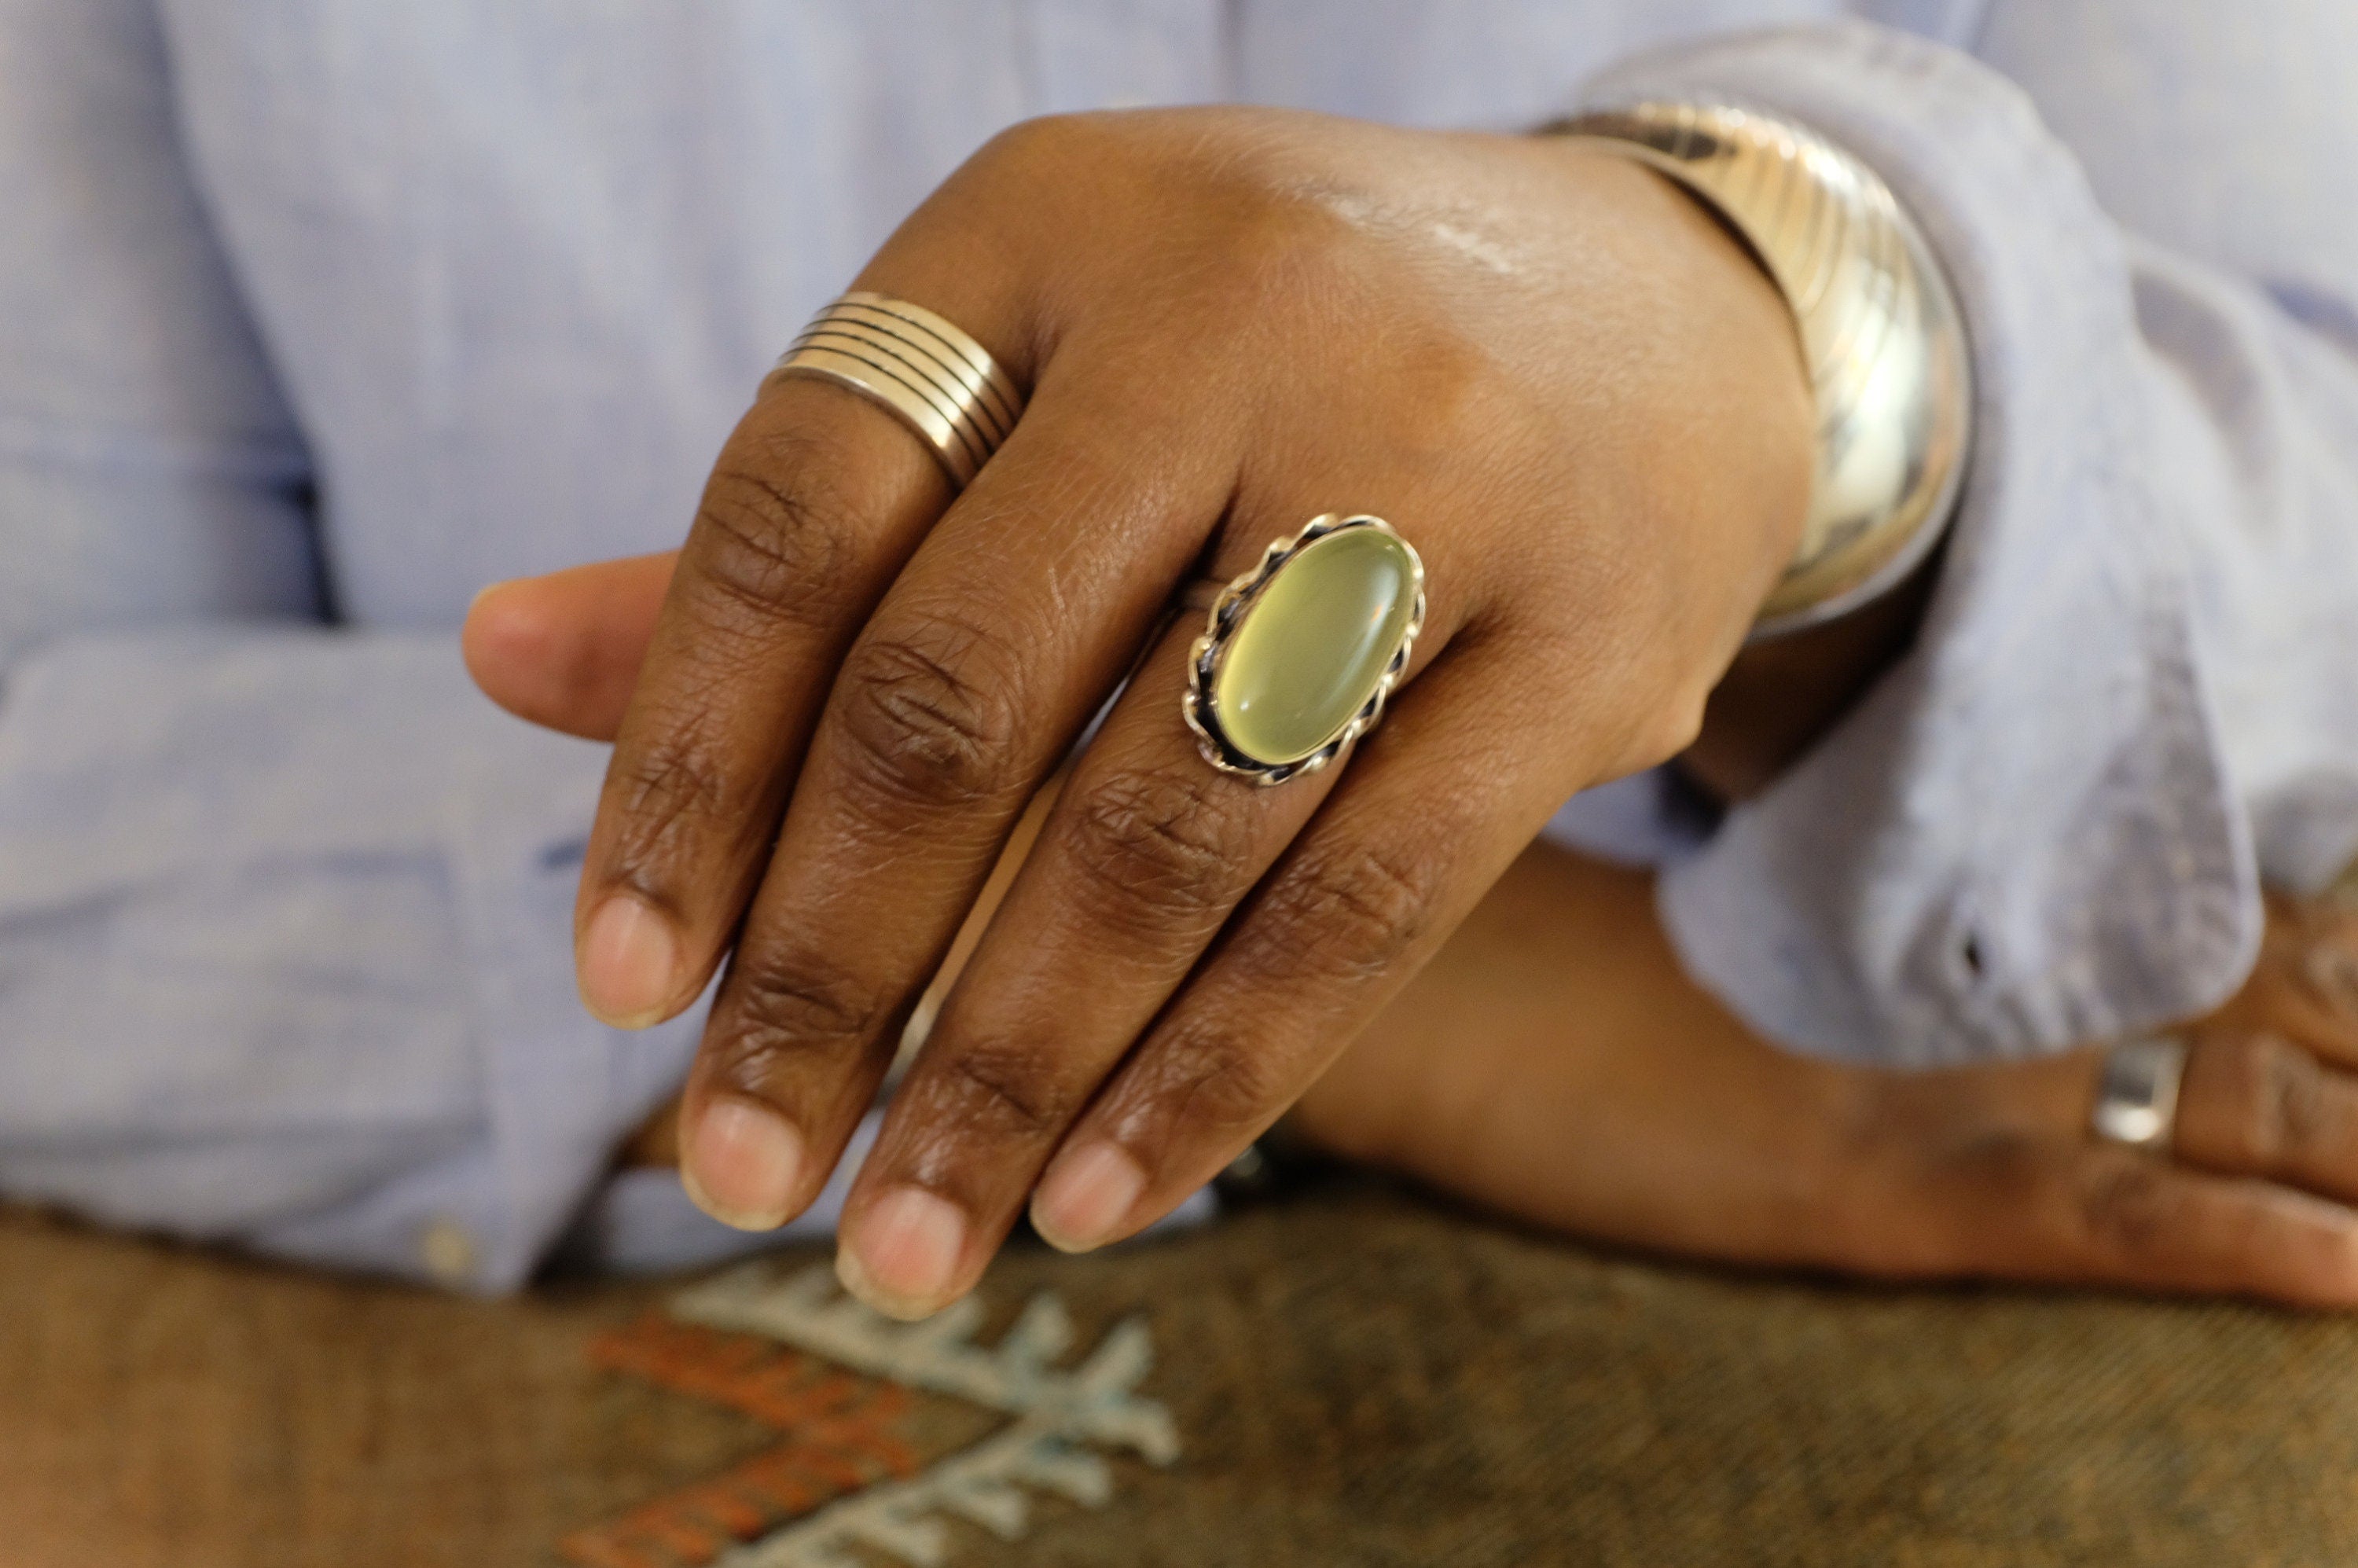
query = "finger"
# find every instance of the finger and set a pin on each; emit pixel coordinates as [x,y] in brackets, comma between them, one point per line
[1147,853]
[813,505]
[2025,1207]
[972,679]
[2254,1103]
[564,649]
[2305,985]
[1433,810]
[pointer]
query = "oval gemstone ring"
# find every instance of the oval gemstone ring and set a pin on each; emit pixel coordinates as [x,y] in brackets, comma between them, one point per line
[1300,653]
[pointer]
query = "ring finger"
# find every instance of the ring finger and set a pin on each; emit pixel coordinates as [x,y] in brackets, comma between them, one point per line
[2257,1102]
[1432,811]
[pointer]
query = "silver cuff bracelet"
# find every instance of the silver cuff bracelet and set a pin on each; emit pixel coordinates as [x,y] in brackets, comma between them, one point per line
[1881,337]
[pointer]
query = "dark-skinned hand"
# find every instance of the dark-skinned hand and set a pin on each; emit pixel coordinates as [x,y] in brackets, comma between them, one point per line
[1561,382]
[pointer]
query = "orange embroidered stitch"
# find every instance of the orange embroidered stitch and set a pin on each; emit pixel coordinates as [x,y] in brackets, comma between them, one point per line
[839,1431]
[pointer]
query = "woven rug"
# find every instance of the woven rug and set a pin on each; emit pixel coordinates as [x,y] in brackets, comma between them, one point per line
[1355,1375]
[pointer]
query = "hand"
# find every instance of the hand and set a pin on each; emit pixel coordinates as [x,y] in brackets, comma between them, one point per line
[1554,1063]
[1555,375]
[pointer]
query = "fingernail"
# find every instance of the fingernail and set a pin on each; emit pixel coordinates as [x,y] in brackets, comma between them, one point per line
[742,1164]
[903,1253]
[1086,1197]
[629,961]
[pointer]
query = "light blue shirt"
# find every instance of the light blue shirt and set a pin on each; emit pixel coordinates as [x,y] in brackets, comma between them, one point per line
[317,316]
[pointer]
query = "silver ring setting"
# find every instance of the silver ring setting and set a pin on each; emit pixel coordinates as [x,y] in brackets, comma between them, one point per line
[2137,1101]
[1238,629]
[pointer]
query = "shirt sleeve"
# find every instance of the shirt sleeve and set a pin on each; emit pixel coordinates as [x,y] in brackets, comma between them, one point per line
[2135,689]
[283,907]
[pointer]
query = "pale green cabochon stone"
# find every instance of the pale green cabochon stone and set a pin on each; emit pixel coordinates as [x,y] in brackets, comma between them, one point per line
[1312,647]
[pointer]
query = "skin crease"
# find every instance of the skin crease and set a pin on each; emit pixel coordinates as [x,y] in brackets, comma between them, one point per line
[1579,399]
[1553,1062]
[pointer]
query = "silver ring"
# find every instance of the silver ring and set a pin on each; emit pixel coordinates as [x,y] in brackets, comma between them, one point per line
[1299,653]
[2137,1101]
[918,367]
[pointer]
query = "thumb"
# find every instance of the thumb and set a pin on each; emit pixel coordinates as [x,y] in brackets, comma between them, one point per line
[564,650]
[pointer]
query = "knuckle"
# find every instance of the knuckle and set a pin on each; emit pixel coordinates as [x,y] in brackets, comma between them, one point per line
[675,789]
[2272,1100]
[2330,972]
[779,1003]
[1001,1093]
[1352,910]
[2286,1098]
[1218,1080]
[776,547]
[929,717]
[1157,849]
[1028,169]
[2128,1205]
[1043,139]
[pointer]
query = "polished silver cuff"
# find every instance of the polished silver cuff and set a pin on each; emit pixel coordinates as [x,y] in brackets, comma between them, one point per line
[1881,336]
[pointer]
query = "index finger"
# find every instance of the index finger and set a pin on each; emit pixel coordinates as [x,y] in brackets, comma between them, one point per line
[814,505]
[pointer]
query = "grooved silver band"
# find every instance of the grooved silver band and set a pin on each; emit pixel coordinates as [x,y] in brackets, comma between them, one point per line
[920,368]
[1880,333]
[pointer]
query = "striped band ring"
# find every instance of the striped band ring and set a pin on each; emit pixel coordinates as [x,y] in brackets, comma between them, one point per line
[918,367]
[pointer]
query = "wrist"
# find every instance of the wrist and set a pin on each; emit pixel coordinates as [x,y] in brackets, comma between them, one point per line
[1711,425]
[1782,693]
[1757,379]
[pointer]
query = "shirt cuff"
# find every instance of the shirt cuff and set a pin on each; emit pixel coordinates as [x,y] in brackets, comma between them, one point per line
[2025,835]
[286,924]
[560,1090]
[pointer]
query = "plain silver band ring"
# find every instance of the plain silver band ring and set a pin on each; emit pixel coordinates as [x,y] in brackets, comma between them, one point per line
[2136,1100]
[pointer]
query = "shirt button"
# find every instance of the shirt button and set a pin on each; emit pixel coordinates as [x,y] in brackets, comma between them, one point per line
[447,1250]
